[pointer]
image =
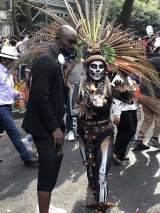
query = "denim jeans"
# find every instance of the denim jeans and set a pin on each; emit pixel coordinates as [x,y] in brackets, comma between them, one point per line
[69,118]
[7,124]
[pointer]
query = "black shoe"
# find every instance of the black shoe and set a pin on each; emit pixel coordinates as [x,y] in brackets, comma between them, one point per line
[1,160]
[154,142]
[138,145]
[116,160]
[143,146]
[125,158]
[31,161]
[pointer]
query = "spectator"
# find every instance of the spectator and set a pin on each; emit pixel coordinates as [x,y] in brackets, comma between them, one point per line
[126,120]
[73,74]
[156,50]
[13,44]
[7,95]
[45,112]
[149,44]
[5,42]
[19,46]
[26,37]
[151,112]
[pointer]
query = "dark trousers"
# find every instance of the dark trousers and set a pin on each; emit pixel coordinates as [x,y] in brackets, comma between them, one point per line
[134,118]
[50,159]
[125,131]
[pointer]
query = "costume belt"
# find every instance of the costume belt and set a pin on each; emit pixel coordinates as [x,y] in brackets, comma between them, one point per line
[90,123]
[92,129]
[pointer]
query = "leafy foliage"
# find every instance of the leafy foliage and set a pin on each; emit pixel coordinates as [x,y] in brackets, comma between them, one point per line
[144,13]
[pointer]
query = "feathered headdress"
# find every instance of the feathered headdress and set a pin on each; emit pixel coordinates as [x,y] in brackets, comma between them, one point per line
[119,50]
[118,47]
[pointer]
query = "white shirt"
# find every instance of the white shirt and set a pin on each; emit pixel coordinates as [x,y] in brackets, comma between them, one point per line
[7,92]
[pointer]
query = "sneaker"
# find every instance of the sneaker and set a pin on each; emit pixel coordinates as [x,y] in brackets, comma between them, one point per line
[71,136]
[138,145]
[27,144]
[154,142]
[53,209]
[31,161]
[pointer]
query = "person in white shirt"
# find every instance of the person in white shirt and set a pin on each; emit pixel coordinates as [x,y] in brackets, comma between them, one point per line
[7,95]
[125,117]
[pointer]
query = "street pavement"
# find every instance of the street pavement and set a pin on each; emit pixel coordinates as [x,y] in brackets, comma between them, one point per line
[133,187]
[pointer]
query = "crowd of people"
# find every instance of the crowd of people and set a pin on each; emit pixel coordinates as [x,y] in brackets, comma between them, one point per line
[93,96]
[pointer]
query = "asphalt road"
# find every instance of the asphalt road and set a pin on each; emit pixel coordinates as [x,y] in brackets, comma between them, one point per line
[134,186]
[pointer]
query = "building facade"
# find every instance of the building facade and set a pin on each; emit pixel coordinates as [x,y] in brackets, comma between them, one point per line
[6,26]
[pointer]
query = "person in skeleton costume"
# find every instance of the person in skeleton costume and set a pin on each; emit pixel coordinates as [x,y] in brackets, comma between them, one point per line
[91,99]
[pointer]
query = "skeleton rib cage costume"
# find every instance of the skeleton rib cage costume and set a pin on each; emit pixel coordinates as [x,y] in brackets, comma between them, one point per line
[93,96]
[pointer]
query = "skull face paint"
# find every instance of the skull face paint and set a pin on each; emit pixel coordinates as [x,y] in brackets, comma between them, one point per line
[96,70]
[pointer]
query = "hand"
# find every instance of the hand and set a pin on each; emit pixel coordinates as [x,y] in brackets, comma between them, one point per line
[21,94]
[116,120]
[120,86]
[58,138]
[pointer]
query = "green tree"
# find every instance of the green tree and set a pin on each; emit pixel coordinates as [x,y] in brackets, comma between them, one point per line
[126,13]
[28,16]
[15,26]
[144,15]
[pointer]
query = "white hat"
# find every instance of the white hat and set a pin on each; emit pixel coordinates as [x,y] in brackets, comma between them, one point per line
[8,52]
[157,43]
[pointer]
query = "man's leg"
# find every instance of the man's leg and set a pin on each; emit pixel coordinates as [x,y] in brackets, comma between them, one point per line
[1,134]
[147,105]
[49,165]
[126,130]
[154,141]
[9,126]
[69,122]
[103,158]
[156,109]
[44,201]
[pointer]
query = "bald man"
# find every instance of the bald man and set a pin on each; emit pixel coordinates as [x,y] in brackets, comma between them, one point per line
[45,112]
